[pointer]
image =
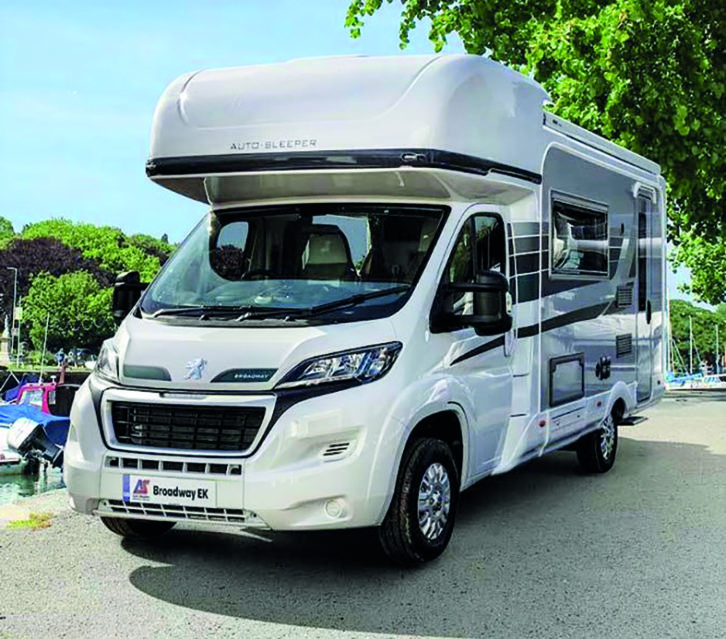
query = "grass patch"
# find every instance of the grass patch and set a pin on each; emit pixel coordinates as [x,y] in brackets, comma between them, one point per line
[35,521]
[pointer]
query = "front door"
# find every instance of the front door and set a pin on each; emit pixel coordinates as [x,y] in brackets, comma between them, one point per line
[481,363]
[644,322]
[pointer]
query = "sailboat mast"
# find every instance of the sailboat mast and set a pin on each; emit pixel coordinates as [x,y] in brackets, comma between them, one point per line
[715,364]
[690,346]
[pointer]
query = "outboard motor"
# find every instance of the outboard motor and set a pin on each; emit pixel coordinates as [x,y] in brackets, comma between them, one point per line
[29,438]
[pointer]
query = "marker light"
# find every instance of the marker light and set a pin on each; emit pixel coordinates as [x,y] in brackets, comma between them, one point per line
[107,362]
[361,365]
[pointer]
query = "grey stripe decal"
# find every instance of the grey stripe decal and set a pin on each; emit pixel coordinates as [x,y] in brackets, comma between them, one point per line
[526,228]
[528,287]
[528,263]
[580,315]
[529,244]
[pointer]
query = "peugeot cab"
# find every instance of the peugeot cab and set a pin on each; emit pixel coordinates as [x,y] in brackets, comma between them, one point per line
[411,276]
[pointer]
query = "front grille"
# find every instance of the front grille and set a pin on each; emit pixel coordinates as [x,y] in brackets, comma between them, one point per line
[227,428]
[175,467]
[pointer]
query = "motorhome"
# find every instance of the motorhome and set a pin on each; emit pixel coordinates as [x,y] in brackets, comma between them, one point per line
[411,276]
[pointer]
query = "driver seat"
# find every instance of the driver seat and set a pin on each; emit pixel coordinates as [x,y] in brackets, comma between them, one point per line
[327,255]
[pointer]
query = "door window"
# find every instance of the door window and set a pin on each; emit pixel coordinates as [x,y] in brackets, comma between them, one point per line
[480,247]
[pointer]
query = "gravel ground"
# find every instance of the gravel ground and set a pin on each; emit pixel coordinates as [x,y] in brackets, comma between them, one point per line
[540,552]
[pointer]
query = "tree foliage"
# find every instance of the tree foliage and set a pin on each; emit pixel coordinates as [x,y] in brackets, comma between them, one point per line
[42,254]
[647,74]
[77,311]
[7,232]
[107,246]
[59,247]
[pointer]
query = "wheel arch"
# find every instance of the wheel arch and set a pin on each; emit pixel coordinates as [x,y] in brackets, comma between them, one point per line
[445,421]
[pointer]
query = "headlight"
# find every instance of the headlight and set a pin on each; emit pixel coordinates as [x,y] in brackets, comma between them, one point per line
[107,362]
[361,365]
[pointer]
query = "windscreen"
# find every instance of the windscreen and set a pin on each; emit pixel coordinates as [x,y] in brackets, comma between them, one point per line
[315,259]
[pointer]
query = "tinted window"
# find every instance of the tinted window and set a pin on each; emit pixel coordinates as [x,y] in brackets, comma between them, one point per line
[579,239]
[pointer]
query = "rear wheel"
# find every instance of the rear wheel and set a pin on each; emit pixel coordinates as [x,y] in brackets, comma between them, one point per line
[137,528]
[420,520]
[596,450]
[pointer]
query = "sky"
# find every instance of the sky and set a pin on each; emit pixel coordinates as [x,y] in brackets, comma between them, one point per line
[79,81]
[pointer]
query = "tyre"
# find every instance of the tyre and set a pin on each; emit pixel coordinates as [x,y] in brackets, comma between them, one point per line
[420,520]
[137,528]
[596,450]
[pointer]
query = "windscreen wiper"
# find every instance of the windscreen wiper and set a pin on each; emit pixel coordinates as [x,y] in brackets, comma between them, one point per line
[234,312]
[353,300]
[201,311]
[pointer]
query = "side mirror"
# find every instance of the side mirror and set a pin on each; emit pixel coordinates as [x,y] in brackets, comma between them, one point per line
[484,306]
[126,292]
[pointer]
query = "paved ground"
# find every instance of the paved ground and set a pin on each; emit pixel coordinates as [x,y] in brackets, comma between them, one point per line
[540,552]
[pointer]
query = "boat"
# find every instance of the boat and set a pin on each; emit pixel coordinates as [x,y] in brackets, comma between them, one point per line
[34,426]
[33,434]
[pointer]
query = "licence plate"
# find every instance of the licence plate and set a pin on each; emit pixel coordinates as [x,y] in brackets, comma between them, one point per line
[168,490]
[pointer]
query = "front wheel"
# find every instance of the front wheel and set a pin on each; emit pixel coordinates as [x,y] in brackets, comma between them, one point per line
[596,450]
[137,528]
[420,520]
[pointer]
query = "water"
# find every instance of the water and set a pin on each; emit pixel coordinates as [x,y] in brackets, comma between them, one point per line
[15,487]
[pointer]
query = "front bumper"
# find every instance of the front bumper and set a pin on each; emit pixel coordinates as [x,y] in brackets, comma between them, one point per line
[324,464]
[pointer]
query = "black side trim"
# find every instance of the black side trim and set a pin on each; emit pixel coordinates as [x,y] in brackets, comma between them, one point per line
[528,331]
[146,372]
[359,159]
[245,375]
[580,315]
[487,346]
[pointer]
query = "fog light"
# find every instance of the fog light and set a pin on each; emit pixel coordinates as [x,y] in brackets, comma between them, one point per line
[334,508]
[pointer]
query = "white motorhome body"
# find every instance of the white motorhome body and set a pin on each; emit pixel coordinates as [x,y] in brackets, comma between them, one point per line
[411,275]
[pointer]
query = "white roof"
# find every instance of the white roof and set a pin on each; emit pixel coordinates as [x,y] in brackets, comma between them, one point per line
[460,103]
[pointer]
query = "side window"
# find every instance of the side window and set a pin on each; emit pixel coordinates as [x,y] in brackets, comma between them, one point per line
[227,258]
[480,247]
[579,238]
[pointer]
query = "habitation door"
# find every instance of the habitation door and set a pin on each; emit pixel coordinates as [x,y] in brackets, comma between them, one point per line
[644,322]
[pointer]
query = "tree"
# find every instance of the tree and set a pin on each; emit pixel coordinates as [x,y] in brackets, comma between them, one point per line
[41,254]
[77,311]
[7,232]
[107,246]
[647,74]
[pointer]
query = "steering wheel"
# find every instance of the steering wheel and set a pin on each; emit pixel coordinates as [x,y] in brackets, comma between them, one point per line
[257,272]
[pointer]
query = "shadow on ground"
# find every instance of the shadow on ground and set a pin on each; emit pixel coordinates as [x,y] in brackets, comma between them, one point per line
[541,540]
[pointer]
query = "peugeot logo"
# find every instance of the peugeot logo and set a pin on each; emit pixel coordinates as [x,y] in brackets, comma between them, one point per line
[195,368]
